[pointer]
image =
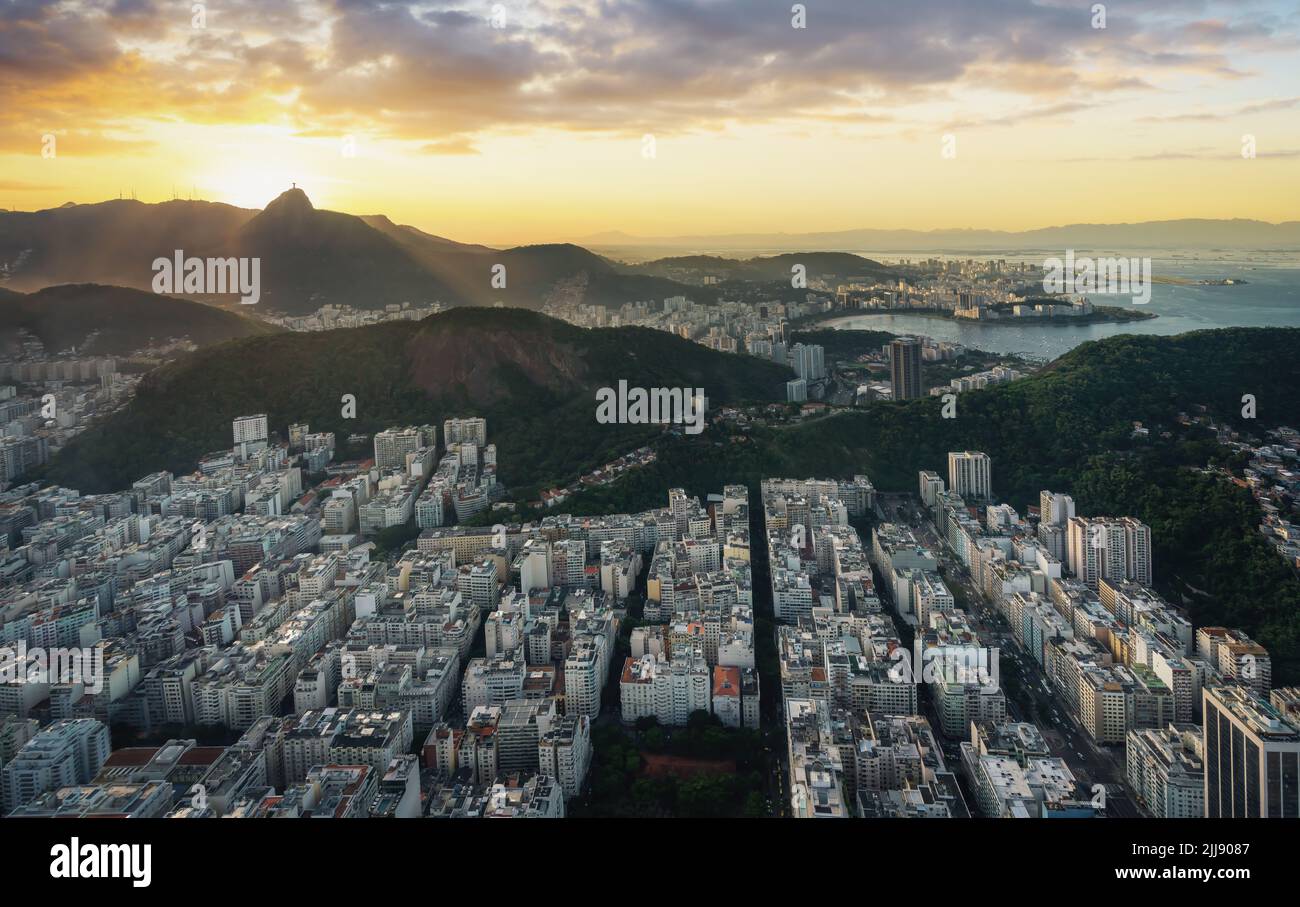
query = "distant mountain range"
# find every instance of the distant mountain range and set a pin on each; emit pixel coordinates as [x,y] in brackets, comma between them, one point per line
[309,257]
[1191,233]
[833,267]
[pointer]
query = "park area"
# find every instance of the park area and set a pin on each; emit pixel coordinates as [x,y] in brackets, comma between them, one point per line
[703,770]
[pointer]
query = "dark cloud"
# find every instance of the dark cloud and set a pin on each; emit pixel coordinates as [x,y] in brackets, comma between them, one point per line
[47,41]
[440,72]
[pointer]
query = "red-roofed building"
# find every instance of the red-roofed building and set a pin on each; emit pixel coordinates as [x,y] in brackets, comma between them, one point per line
[726,695]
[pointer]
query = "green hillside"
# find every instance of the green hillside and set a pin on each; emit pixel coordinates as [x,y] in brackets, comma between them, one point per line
[534,378]
[115,321]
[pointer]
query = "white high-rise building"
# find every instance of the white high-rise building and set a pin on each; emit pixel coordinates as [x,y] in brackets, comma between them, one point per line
[669,690]
[478,582]
[1137,550]
[457,431]
[564,752]
[1055,509]
[568,563]
[393,444]
[969,475]
[339,515]
[1104,548]
[808,361]
[1083,549]
[250,433]
[65,754]
[1164,766]
[931,487]
[534,565]
[503,632]
[792,595]
[1054,514]
[582,681]
[250,428]
[494,680]
[930,595]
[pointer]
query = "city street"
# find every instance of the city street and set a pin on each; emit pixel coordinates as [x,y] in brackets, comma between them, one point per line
[1028,690]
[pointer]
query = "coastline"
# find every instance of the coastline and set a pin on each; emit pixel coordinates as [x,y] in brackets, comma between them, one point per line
[1100,315]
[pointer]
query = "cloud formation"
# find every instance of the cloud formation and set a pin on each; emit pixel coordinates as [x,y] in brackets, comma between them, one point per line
[439,74]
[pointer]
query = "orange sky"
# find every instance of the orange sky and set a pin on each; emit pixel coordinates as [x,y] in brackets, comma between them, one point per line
[660,119]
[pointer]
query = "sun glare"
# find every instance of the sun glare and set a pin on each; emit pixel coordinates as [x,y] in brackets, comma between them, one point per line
[251,185]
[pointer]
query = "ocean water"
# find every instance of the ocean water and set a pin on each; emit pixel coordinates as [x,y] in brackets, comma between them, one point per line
[1270,298]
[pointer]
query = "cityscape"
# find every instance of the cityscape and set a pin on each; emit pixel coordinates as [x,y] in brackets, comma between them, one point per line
[363,644]
[707,412]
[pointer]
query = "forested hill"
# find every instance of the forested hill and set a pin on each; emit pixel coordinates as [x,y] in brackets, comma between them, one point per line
[1070,429]
[534,378]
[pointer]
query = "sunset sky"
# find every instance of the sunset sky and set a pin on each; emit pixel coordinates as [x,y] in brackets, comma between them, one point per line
[534,131]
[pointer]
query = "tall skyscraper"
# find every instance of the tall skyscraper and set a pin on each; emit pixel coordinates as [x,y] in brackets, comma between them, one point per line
[66,753]
[905,368]
[1055,509]
[931,487]
[1137,551]
[969,475]
[250,434]
[1054,514]
[392,445]
[1252,757]
[457,431]
[808,361]
[1107,548]
[250,428]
